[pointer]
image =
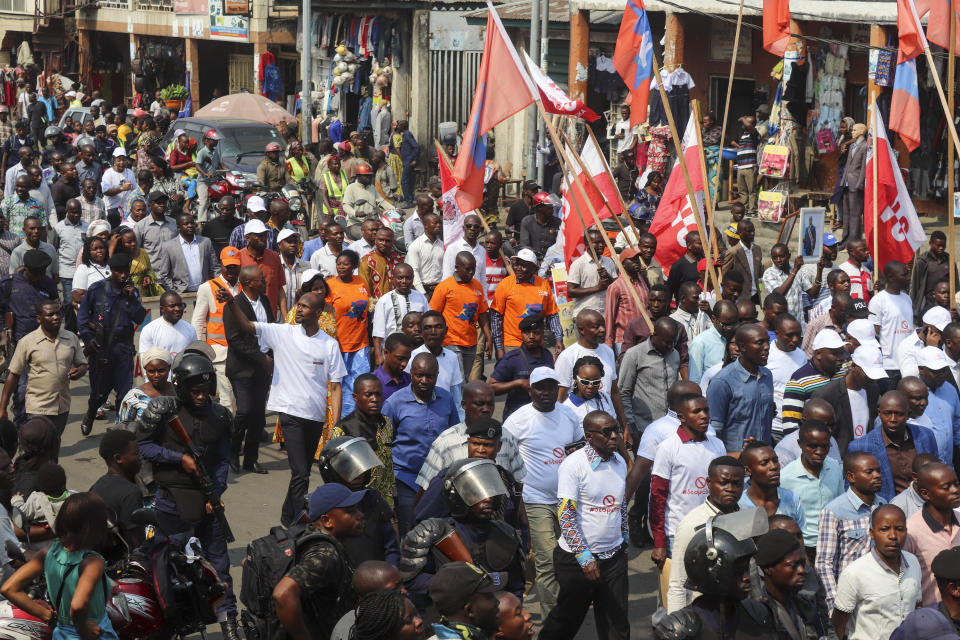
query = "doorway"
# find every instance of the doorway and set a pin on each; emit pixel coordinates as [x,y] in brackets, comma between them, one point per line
[741,102]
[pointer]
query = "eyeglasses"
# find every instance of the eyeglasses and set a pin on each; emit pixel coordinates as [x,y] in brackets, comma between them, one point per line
[609,432]
[471,226]
[588,383]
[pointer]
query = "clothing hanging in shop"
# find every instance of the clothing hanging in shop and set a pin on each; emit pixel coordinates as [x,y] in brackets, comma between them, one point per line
[677,84]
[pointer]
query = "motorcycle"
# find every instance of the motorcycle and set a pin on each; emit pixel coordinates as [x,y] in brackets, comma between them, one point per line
[231,183]
[163,589]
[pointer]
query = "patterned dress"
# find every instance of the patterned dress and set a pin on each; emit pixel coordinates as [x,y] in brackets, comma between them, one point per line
[377,272]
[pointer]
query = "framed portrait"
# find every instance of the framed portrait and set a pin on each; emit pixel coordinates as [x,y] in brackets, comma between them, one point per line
[811,233]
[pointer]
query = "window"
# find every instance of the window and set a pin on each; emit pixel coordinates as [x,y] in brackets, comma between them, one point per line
[13,6]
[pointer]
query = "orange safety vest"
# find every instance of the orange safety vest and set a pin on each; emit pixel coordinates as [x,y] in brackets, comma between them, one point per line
[216,334]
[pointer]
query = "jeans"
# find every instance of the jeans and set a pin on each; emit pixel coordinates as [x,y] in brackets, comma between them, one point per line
[577,593]
[203,202]
[406,183]
[544,531]
[405,498]
[19,400]
[118,376]
[300,438]
[66,286]
[248,423]
[466,356]
[356,362]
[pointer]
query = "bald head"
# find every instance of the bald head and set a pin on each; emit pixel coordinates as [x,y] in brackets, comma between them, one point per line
[893,399]
[678,390]
[476,388]
[403,269]
[250,273]
[588,316]
[819,409]
[374,575]
[935,473]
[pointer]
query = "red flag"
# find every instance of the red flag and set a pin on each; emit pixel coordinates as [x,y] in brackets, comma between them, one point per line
[674,218]
[776,26]
[553,98]
[571,228]
[912,40]
[452,216]
[503,88]
[899,233]
[633,58]
[938,22]
[905,104]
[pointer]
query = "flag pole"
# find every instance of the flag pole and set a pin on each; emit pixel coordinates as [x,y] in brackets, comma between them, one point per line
[564,163]
[951,152]
[936,76]
[586,172]
[443,157]
[623,203]
[708,247]
[726,110]
[876,211]
[691,194]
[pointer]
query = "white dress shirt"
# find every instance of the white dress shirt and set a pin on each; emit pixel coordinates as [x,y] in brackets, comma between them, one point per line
[479,252]
[426,260]
[395,305]
[191,252]
[261,315]
[361,246]
[324,261]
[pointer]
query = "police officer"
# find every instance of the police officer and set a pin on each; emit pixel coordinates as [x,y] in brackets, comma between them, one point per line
[718,566]
[782,560]
[181,507]
[56,143]
[473,488]
[106,320]
[349,460]
[272,173]
[20,293]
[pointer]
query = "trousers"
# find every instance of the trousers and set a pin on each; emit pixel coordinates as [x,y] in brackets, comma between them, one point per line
[747,188]
[203,201]
[852,216]
[116,376]
[251,395]
[406,183]
[300,437]
[467,356]
[356,363]
[577,593]
[544,531]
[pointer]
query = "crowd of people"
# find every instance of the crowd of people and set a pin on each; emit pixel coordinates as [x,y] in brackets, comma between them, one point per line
[813,403]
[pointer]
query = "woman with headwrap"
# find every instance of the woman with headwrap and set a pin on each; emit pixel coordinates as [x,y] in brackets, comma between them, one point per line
[843,143]
[39,443]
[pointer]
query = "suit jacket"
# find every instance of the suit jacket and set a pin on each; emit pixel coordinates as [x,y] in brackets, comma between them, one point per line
[172,269]
[835,392]
[244,358]
[736,260]
[855,173]
[872,443]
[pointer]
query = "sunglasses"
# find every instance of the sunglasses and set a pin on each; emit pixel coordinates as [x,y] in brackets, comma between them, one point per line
[588,383]
[471,226]
[609,432]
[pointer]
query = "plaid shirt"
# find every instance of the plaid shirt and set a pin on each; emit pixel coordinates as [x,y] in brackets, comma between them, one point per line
[90,211]
[451,445]
[843,536]
[6,130]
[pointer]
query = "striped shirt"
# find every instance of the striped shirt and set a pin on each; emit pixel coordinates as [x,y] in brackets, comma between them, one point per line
[496,271]
[747,151]
[800,387]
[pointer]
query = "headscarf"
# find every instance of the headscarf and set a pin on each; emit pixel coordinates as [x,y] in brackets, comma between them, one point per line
[156,353]
[39,443]
[849,122]
[858,131]
[97,227]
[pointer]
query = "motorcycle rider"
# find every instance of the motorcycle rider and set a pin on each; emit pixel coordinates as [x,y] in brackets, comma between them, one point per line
[349,460]
[180,505]
[272,173]
[474,490]
[361,200]
[718,566]
[56,142]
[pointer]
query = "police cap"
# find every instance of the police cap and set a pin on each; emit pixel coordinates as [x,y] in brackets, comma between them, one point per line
[36,260]
[531,322]
[773,546]
[946,565]
[486,428]
[119,261]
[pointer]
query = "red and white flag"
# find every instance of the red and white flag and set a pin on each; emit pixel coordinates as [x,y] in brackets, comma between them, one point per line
[571,229]
[452,216]
[899,232]
[675,216]
[553,98]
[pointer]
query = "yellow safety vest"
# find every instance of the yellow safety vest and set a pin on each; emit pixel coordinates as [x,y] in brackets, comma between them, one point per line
[334,191]
[298,172]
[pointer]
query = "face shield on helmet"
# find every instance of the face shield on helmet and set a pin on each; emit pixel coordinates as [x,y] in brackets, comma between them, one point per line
[349,457]
[717,558]
[190,371]
[474,480]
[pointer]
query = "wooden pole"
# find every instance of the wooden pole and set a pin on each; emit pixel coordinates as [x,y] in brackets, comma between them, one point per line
[678,143]
[710,247]
[564,163]
[726,105]
[623,204]
[951,153]
[876,210]
[443,157]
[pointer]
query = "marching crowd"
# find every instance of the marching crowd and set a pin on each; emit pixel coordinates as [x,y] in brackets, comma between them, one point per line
[809,401]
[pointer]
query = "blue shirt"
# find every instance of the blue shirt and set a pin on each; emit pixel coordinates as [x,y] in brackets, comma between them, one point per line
[741,404]
[789,503]
[100,303]
[814,493]
[415,426]
[20,298]
[311,246]
[706,350]
[947,394]
[515,365]
[391,386]
[50,103]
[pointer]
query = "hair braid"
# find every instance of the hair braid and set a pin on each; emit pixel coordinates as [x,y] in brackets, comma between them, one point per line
[379,616]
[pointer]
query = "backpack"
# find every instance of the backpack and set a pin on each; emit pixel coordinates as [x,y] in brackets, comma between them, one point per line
[268,560]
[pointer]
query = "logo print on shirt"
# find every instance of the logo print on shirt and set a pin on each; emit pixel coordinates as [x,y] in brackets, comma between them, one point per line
[608,501]
[469,311]
[357,309]
[530,309]
[701,482]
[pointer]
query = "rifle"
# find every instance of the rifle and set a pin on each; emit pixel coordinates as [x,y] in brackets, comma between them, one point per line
[203,478]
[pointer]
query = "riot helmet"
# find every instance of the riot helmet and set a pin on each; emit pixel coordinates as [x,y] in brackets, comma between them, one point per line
[191,370]
[716,560]
[470,481]
[52,131]
[346,458]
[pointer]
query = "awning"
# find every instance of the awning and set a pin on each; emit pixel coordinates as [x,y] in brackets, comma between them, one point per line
[859,11]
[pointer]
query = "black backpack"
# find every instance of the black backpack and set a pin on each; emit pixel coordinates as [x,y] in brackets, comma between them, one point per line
[268,560]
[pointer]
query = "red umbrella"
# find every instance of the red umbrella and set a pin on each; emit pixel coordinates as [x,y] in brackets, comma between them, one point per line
[248,106]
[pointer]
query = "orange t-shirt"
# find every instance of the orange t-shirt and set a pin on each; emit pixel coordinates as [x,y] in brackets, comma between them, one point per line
[517,301]
[269,263]
[460,305]
[351,303]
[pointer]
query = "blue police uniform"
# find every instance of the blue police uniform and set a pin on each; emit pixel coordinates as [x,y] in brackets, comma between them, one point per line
[105,304]
[19,297]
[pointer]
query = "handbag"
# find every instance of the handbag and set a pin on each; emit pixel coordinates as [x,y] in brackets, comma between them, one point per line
[775,161]
[770,205]
[825,141]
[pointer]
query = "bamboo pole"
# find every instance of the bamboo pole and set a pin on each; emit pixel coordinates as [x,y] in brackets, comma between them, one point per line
[936,81]
[726,108]
[876,210]
[951,153]
[691,194]
[707,199]
[443,157]
[564,164]
[623,203]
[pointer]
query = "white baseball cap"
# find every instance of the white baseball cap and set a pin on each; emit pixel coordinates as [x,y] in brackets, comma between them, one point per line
[254,226]
[543,373]
[863,330]
[827,339]
[119,152]
[933,359]
[309,275]
[255,203]
[938,317]
[286,233]
[527,255]
[869,358]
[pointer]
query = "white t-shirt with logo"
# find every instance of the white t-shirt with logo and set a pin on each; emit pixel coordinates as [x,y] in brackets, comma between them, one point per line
[598,494]
[569,356]
[859,411]
[684,465]
[541,438]
[894,314]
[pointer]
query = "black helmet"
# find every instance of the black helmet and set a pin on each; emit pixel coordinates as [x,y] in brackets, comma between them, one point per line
[469,481]
[189,371]
[345,458]
[715,561]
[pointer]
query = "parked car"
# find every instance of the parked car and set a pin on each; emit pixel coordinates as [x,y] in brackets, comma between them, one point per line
[243,140]
[75,113]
